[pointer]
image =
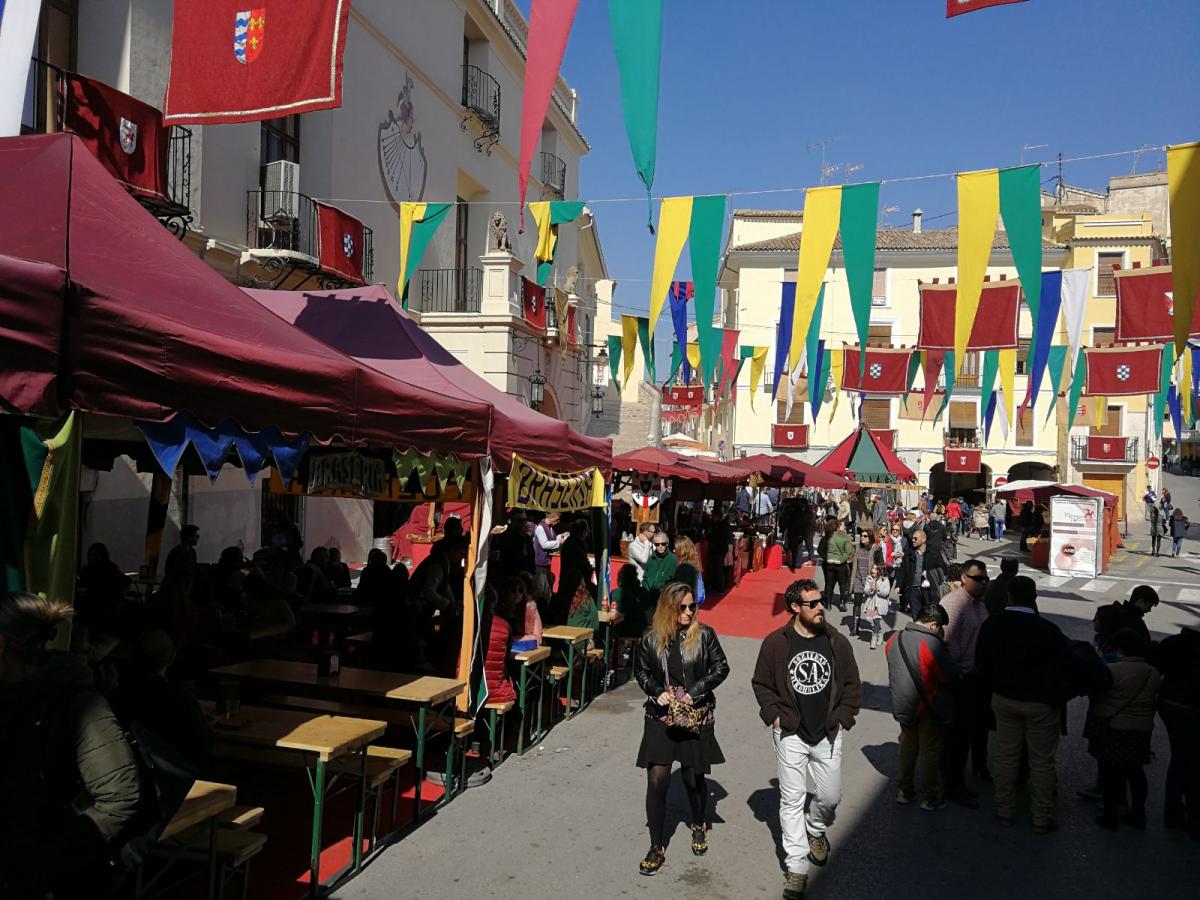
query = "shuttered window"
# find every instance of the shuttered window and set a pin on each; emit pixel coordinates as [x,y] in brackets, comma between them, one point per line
[1111,426]
[969,376]
[877,413]
[963,415]
[1025,427]
[879,335]
[1105,283]
[797,417]
[1023,356]
[879,288]
[1103,337]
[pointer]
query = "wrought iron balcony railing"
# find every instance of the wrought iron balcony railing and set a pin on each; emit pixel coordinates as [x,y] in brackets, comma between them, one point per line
[451,290]
[1080,453]
[286,223]
[963,438]
[554,175]
[481,100]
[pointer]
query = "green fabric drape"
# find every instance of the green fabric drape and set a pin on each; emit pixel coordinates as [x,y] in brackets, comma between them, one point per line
[637,40]
[704,243]
[614,359]
[1160,399]
[817,391]
[643,331]
[1076,390]
[422,233]
[561,212]
[1056,362]
[676,362]
[812,339]
[1021,210]
[914,366]
[948,371]
[987,383]
[860,213]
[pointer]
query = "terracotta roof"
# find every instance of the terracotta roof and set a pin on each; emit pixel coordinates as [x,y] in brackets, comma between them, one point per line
[1076,208]
[887,239]
[768,214]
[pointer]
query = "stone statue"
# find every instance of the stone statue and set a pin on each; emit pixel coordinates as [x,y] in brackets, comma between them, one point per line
[572,278]
[498,234]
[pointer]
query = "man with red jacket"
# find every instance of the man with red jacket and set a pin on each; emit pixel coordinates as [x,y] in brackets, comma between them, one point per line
[808,690]
[920,670]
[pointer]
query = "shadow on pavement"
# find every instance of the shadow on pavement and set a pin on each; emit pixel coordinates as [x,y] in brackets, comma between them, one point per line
[764,803]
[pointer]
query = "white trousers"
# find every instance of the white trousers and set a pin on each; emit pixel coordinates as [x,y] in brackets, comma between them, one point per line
[803,811]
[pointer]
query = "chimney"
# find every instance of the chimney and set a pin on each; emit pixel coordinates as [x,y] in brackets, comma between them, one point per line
[917,213]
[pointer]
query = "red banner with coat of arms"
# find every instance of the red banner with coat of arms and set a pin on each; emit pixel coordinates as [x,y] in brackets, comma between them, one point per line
[1146,305]
[534,299]
[683,396]
[230,63]
[1106,449]
[962,459]
[789,437]
[341,241]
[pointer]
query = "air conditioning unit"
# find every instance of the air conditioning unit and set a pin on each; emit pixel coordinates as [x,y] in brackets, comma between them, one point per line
[281,189]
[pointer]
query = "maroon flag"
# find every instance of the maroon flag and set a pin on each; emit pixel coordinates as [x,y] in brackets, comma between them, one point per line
[1146,305]
[340,242]
[1106,449]
[885,436]
[886,371]
[958,7]
[570,335]
[996,323]
[124,133]
[1122,371]
[535,304]
[789,437]
[233,64]
[962,459]
[683,396]
[934,362]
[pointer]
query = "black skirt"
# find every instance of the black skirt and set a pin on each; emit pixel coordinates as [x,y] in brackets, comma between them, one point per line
[662,746]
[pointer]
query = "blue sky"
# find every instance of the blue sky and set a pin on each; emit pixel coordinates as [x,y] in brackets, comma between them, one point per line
[746,86]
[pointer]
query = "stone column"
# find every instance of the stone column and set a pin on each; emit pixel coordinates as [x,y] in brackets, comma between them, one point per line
[501,285]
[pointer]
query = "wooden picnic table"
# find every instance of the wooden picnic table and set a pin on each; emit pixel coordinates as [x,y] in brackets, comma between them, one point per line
[533,666]
[205,801]
[573,637]
[326,739]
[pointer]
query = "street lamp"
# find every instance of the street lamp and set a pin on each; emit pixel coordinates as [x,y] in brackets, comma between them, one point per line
[537,386]
[597,401]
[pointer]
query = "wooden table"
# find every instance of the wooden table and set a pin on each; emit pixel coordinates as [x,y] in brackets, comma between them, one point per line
[573,638]
[609,619]
[434,697]
[533,665]
[325,739]
[205,801]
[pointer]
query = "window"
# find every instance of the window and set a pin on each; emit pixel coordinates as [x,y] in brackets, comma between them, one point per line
[877,414]
[879,336]
[280,139]
[1025,427]
[963,416]
[1022,357]
[879,288]
[969,376]
[797,416]
[57,36]
[1103,337]
[1105,283]
[1111,426]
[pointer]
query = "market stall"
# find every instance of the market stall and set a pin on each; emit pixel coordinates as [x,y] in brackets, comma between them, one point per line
[863,457]
[1042,493]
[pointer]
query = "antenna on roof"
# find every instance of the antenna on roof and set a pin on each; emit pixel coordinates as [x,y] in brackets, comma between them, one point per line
[1137,157]
[826,170]
[1029,147]
[887,212]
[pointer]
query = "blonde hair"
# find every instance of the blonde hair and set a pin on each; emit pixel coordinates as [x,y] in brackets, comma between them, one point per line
[666,620]
[29,621]
[685,552]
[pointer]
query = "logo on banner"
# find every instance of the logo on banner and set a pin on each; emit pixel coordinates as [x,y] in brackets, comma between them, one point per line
[962,460]
[348,244]
[1107,447]
[875,370]
[128,134]
[1123,373]
[791,435]
[248,27]
[1169,296]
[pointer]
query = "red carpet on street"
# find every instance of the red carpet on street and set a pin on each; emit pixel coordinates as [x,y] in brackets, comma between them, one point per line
[756,606]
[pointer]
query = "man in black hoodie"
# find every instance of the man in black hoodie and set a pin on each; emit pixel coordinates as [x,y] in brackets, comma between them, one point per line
[809,691]
[1020,657]
[1178,659]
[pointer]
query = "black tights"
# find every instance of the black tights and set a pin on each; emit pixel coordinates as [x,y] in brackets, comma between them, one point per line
[658,780]
[1113,779]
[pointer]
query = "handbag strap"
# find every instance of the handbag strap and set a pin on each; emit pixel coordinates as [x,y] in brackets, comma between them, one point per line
[908,666]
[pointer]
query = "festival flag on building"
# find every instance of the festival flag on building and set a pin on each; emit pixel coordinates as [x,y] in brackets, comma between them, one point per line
[1056,286]
[418,224]
[1183,185]
[1123,371]
[546,42]
[758,362]
[958,7]
[1006,365]
[548,215]
[1021,211]
[987,389]
[614,359]
[997,319]
[643,333]
[18,32]
[1146,305]
[1160,399]
[680,293]
[837,365]
[341,242]
[1057,365]
[232,64]
[783,333]
[629,335]
[729,362]
[884,373]
[637,40]
[533,303]
[934,364]
[948,373]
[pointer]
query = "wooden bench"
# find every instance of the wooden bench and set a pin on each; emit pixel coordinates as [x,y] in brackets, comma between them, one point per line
[235,850]
[494,712]
[240,818]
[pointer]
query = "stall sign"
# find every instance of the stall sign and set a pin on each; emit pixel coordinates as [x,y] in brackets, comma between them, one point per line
[532,487]
[1076,536]
[347,473]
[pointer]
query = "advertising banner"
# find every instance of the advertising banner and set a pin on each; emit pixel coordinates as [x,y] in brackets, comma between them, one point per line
[1076,536]
[532,487]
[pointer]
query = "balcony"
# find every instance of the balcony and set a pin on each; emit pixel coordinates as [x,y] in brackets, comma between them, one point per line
[162,187]
[963,438]
[283,241]
[481,101]
[1099,450]
[451,290]
[554,175]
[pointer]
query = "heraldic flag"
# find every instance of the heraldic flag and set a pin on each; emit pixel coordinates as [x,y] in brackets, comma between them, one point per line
[1146,305]
[231,63]
[1123,371]
[886,371]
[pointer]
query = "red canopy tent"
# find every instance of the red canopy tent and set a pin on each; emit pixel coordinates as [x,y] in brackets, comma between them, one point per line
[665,464]
[863,457]
[1042,491]
[780,470]
[368,325]
[102,310]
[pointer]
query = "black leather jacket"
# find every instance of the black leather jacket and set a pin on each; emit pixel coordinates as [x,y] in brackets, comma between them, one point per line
[702,674]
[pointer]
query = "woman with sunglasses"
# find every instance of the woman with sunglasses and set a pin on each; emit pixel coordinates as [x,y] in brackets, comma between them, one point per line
[679,661]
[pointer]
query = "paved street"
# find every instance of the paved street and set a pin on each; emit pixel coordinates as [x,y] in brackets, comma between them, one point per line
[568,820]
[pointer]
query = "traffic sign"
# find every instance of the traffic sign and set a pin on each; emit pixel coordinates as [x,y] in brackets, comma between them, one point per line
[1152,463]
[1000,481]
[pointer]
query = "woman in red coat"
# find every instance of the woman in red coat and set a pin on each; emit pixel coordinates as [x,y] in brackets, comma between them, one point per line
[499,638]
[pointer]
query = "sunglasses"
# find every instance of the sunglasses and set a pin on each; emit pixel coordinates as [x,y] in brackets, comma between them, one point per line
[980,579]
[811,604]
[687,607]
[660,543]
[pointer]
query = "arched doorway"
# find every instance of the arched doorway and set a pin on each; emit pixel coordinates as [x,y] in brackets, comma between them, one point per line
[549,405]
[971,486]
[1036,471]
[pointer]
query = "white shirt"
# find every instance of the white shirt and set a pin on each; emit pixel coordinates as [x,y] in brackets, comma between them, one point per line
[640,551]
[547,544]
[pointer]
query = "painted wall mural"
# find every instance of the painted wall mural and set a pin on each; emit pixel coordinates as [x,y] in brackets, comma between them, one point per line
[402,163]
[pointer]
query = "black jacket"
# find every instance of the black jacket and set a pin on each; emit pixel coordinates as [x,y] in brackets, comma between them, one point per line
[909,576]
[702,674]
[774,694]
[1022,656]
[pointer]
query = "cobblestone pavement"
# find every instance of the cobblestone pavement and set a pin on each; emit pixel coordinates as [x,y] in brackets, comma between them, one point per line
[568,818]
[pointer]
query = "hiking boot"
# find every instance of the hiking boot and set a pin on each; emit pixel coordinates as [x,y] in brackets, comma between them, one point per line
[963,796]
[903,796]
[699,839]
[794,886]
[933,805]
[653,862]
[818,849]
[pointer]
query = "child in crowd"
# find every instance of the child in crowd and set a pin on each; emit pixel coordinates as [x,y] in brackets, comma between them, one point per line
[877,590]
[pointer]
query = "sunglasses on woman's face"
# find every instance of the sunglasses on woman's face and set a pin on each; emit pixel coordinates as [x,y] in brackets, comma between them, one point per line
[687,607]
[660,543]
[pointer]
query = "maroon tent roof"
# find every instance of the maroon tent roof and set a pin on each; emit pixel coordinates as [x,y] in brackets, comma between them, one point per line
[787,471]
[368,325]
[665,464]
[1043,493]
[103,310]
